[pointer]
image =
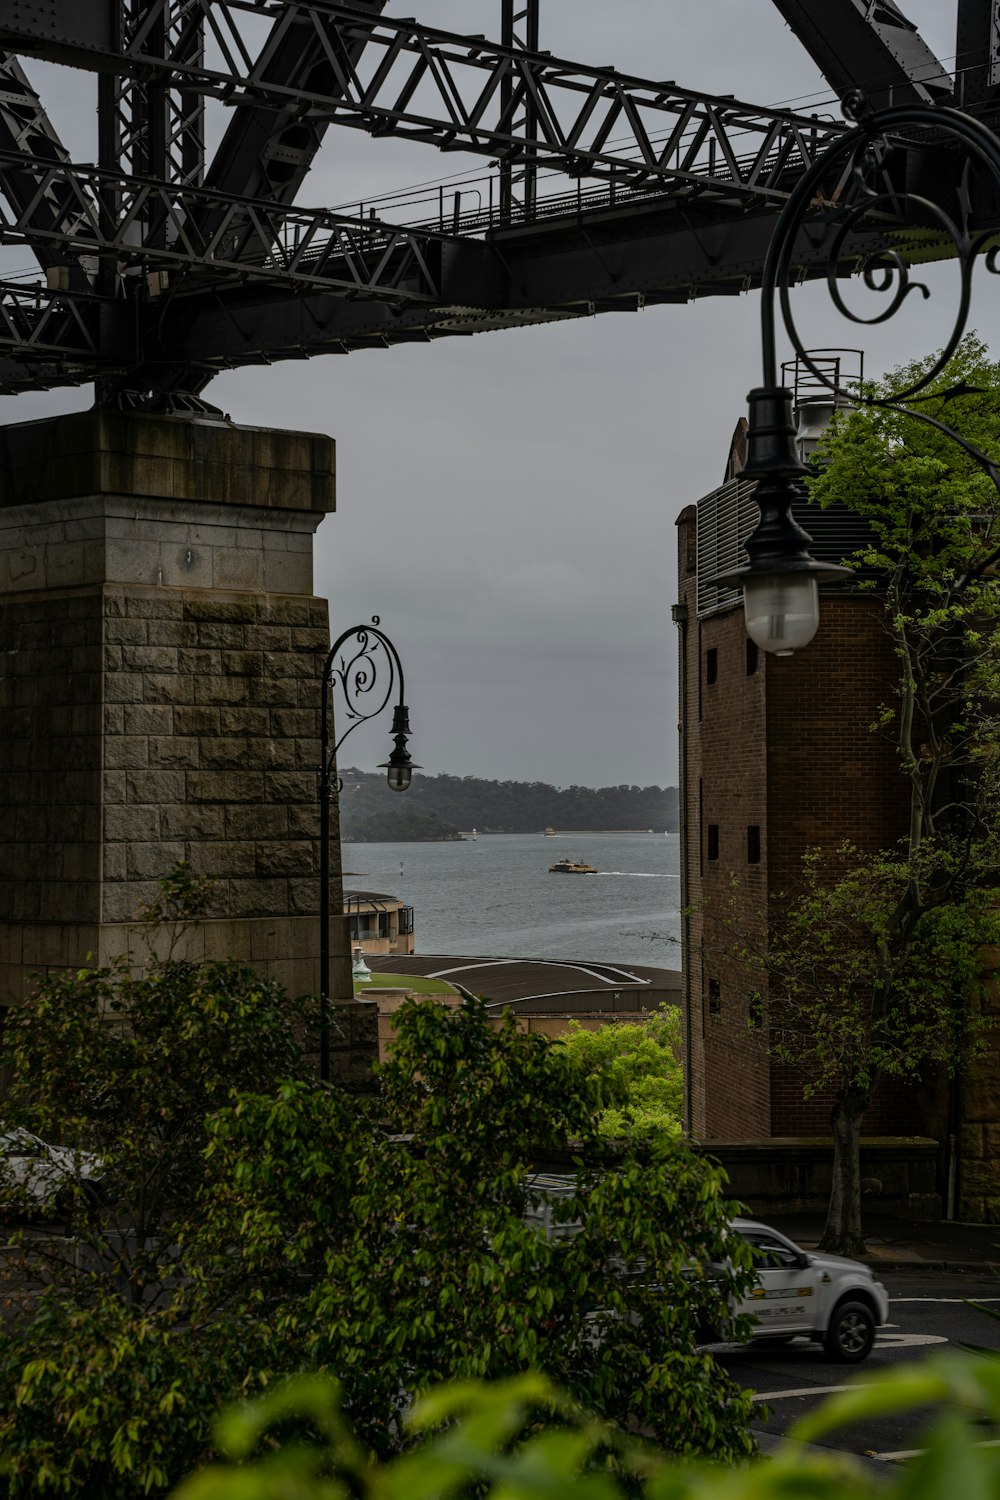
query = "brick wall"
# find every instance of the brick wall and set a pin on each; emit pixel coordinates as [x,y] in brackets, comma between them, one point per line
[786,748]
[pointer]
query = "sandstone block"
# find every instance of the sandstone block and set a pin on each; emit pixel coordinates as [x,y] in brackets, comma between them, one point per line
[122,899]
[128,824]
[150,658]
[221,690]
[154,604]
[145,719]
[303,820]
[123,687]
[303,895]
[278,857]
[114,786]
[197,721]
[180,633]
[192,821]
[265,822]
[200,662]
[219,611]
[242,663]
[167,689]
[289,723]
[258,898]
[153,861]
[288,572]
[176,751]
[223,786]
[222,753]
[228,858]
[126,752]
[277,691]
[289,786]
[243,721]
[290,665]
[158,786]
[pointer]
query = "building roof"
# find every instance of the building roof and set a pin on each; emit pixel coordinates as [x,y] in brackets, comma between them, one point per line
[373,897]
[522,981]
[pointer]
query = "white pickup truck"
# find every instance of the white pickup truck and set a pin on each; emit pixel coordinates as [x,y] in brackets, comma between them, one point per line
[799,1293]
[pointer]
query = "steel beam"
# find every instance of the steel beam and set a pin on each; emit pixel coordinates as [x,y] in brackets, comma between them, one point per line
[445,89]
[977,51]
[310,247]
[870,45]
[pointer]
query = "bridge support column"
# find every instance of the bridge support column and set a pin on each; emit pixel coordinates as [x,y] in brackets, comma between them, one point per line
[160,660]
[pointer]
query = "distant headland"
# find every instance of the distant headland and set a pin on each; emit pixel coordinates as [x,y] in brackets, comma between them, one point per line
[437,808]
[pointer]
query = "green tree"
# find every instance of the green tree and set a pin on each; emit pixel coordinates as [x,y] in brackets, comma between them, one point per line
[845,1001]
[128,1063]
[401,1251]
[390,1244]
[645,1058]
[850,1003]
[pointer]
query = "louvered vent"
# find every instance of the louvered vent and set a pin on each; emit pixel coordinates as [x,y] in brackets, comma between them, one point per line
[728,515]
[726,518]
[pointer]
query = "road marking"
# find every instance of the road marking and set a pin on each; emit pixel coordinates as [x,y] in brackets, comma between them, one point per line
[958,1301]
[888,1458]
[907,1340]
[807,1390]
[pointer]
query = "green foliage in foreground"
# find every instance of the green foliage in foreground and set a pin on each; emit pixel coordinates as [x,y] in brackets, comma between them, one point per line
[128,1066]
[644,1058]
[522,1440]
[397,1264]
[383,1244]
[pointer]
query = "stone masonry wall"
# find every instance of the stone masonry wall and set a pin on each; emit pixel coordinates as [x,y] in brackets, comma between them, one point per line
[211,740]
[160,661]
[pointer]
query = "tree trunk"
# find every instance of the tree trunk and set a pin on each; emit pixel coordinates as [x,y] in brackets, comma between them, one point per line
[842,1235]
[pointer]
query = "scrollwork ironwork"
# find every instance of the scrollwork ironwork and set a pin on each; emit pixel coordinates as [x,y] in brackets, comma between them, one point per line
[852,186]
[366,676]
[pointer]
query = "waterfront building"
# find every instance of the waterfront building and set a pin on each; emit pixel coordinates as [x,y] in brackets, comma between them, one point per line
[378,924]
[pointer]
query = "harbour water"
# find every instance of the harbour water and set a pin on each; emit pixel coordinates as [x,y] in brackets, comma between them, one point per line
[494,897]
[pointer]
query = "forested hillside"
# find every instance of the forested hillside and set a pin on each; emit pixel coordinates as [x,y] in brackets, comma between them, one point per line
[435,807]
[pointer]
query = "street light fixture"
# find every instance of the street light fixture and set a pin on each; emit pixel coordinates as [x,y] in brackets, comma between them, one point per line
[371,668]
[850,184]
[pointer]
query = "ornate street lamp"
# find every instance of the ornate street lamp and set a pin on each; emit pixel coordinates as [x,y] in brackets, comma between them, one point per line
[367,675]
[849,188]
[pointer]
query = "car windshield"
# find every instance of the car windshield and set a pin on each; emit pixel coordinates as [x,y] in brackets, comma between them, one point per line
[19,1143]
[770,1250]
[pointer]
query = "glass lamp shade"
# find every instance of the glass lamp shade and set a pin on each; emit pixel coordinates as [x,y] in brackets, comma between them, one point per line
[360,972]
[782,610]
[399,776]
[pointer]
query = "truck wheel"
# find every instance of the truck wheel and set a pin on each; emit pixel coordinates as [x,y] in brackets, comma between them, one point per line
[851,1333]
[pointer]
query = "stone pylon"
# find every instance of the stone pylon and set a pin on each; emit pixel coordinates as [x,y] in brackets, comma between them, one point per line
[160,659]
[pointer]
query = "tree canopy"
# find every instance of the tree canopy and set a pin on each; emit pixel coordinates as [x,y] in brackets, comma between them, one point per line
[388,1244]
[644,1058]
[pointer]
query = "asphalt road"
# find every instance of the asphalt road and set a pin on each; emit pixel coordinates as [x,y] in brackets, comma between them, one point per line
[928,1312]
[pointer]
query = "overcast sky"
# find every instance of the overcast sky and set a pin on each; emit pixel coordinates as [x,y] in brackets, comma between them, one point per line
[507,502]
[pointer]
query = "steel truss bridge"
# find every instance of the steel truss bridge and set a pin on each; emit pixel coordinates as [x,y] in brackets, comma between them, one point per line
[165,263]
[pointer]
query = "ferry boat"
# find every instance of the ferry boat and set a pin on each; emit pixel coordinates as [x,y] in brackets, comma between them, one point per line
[572,867]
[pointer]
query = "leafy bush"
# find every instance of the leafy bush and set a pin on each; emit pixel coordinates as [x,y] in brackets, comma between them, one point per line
[383,1243]
[522,1440]
[644,1058]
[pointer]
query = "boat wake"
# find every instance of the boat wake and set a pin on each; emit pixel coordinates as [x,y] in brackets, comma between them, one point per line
[643,874]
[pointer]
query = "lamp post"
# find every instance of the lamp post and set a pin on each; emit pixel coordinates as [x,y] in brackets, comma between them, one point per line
[851,186]
[372,667]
